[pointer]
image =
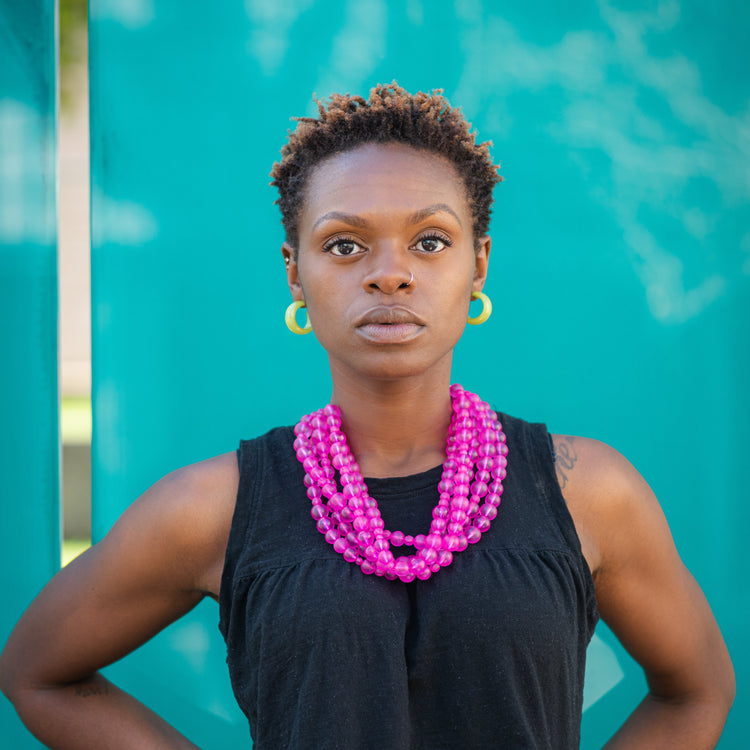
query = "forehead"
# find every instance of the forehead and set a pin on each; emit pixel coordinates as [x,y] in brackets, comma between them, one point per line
[390,177]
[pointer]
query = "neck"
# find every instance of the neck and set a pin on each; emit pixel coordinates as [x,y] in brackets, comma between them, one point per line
[396,427]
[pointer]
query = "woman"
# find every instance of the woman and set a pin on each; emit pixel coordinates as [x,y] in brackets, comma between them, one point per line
[452,610]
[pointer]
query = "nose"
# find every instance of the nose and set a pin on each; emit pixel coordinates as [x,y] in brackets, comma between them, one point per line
[388,273]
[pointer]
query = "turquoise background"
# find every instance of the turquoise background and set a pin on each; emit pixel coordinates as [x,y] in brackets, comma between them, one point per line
[620,270]
[29,445]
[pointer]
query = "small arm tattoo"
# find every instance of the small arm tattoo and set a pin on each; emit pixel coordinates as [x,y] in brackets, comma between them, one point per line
[86,691]
[565,457]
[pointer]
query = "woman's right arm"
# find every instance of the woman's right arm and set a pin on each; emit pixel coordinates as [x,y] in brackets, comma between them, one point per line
[158,561]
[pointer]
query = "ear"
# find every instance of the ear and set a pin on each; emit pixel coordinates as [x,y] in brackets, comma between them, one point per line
[292,272]
[481,262]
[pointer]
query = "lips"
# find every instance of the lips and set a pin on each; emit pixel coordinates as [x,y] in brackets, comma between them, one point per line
[389,325]
[389,316]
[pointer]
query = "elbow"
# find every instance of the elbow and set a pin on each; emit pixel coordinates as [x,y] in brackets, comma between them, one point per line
[8,681]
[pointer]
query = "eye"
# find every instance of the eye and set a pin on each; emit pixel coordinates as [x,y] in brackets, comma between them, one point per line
[342,247]
[432,243]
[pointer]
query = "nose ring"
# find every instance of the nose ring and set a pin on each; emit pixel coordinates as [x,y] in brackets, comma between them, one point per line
[408,283]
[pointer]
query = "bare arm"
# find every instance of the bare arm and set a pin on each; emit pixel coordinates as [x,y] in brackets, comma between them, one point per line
[158,561]
[650,600]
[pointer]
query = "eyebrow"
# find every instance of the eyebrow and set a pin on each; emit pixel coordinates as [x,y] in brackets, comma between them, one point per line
[435,208]
[420,215]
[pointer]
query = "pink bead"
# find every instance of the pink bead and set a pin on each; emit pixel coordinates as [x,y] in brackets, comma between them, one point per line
[397,538]
[445,557]
[314,492]
[332,535]
[350,554]
[455,528]
[309,464]
[318,512]
[479,489]
[366,538]
[385,557]
[450,542]
[433,541]
[428,555]
[458,516]
[460,503]
[408,540]
[488,511]
[424,574]
[360,523]
[340,545]
[440,511]
[337,502]
[438,525]
[482,523]
[367,567]
[473,534]
[403,567]
[351,490]
[463,543]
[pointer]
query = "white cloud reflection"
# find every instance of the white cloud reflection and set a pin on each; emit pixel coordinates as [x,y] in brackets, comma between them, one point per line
[27,175]
[132,14]
[651,157]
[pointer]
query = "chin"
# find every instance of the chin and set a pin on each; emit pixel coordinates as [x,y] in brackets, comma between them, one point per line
[394,366]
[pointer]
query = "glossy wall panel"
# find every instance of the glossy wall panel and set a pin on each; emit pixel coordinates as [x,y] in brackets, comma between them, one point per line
[29,442]
[620,265]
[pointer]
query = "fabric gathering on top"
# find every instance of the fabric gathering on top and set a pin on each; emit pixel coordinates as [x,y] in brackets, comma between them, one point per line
[489,652]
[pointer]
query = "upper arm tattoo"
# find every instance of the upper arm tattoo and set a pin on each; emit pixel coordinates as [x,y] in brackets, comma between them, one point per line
[565,456]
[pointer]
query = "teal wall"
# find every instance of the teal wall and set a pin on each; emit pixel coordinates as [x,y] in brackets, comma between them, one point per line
[620,270]
[29,443]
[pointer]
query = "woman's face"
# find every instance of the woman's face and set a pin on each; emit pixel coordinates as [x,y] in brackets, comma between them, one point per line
[387,261]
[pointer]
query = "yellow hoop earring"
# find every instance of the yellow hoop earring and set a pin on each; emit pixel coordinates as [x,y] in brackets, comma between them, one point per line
[290,318]
[486,309]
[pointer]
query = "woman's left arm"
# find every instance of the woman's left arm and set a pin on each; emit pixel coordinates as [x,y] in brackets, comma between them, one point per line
[650,600]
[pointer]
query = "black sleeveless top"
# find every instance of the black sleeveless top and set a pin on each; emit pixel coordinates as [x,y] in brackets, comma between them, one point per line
[487,653]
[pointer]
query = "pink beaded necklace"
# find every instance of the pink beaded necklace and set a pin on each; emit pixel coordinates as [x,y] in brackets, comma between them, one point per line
[351,519]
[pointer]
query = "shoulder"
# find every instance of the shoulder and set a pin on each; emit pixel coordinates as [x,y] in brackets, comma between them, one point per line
[182,522]
[613,507]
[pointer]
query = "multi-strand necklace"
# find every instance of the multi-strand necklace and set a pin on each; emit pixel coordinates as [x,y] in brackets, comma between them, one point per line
[470,491]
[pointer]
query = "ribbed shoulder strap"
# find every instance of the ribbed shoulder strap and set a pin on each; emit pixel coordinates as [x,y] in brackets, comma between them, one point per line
[534,442]
[252,457]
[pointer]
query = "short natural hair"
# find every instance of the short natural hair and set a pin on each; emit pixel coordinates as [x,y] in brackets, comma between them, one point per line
[425,121]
